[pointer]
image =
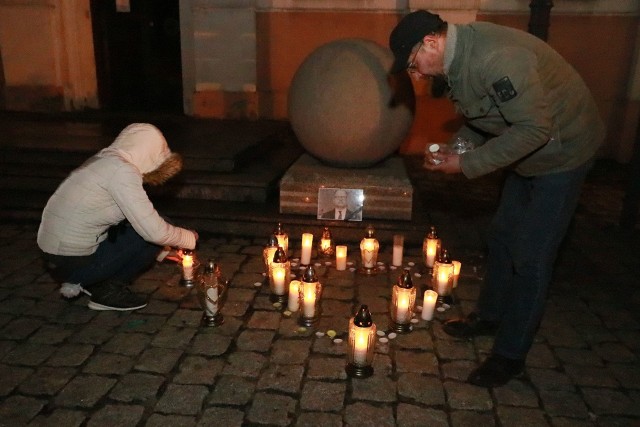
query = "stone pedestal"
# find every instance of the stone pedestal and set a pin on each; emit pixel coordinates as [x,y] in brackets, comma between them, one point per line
[387,190]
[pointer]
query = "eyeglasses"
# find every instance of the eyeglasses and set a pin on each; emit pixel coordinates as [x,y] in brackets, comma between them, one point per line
[412,64]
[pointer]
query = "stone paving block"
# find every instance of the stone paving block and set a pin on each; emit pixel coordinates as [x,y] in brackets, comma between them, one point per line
[318,419]
[137,387]
[327,368]
[421,363]
[284,378]
[198,370]
[11,377]
[210,344]
[108,364]
[159,307]
[615,352]
[338,293]
[467,396]
[264,320]
[610,402]
[574,422]
[245,364]
[59,417]
[71,355]
[255,340]
[28,354]
[472,419]
[51,334]
[583,357]
[160,420]
[541,356]
[323,396]
[458,369]
[416,340]
[562,335]
[336,308]
[549,379]
[16,306]
[84,391]
[130,344]
[563,403]
[452,350]
[416,416]
[627,374]
[159,360]
[92,334]
[596,376]
[117,415]
[382,364]
[45,381]
[241,294]
[19,410]
[20,328]
[182,399]
[235,308]
[364,414]
[285,351]
[173,337]
[220,416]
[248,279]
[149,324]
[630,338]
[426,390]
[47,309]
[376,388]
[75,315]
[272,409]
[521,417]
[232,390]
[516,393]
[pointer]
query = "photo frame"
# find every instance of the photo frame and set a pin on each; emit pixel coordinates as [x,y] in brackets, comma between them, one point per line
[340,204]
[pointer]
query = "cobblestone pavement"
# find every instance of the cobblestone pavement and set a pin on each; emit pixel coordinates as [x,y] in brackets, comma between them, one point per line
[62,364]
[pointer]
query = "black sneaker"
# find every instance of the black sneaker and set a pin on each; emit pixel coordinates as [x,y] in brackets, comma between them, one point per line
[496,371]
[470,326]
[114,295]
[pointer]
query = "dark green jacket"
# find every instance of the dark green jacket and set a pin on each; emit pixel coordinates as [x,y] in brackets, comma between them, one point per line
[526,106]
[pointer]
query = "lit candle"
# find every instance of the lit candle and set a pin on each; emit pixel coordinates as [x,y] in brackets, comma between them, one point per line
[398,242]
[402,314]
[307,242]
[279,277]
[432,249]
[325,244]
[187,267]
[368,259]
[309,308]
[361,344]
[442,280]
[429,304]
[456,272]
[294,296]
[341,257]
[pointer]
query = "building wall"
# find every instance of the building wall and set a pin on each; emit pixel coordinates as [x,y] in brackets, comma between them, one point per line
[239,56]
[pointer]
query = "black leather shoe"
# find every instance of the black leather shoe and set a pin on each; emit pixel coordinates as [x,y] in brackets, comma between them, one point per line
[496,371]
[469,326]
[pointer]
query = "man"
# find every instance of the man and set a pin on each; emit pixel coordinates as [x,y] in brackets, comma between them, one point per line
[99,230]
[340,209]
[527,111]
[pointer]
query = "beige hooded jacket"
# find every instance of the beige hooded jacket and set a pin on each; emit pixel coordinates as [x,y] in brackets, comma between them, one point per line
[107,189]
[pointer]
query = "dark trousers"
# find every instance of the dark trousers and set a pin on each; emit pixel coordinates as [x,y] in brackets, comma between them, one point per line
[529,226]
[122,256]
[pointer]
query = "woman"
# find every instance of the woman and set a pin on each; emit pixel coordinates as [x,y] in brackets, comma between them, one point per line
[99,230]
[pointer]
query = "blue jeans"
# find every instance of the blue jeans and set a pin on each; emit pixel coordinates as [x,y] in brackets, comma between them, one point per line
[121,258]
[529,226]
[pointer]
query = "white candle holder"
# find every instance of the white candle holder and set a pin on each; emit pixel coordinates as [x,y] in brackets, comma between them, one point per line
[190,267]
[431,248]
[403,300]
[442,279]
[212,294]
[362,340]
[279,276]
[369,248]
[310,293]
[269,251]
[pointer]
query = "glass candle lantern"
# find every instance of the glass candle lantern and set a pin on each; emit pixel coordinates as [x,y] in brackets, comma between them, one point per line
[431,247]
[369,247]
[269,251]
[403,299]
[325,246]
[188,268]
[362,340]
[443,277]
[283,238]
[310,291]
[212,292]
[279,276]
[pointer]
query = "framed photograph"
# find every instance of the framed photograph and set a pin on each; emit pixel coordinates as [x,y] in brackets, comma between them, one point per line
[341,204]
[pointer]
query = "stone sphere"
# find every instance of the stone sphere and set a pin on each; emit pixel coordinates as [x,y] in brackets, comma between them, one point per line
[344,107]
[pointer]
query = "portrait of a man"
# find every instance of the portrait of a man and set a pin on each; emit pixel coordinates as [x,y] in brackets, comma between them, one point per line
[340,204]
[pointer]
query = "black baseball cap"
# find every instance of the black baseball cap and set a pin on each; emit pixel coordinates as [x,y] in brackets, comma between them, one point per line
[409,31]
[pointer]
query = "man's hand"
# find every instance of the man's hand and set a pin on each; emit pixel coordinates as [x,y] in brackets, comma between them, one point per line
[448,163]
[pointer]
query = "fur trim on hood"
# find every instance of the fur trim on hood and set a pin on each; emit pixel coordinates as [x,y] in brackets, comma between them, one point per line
[168,169]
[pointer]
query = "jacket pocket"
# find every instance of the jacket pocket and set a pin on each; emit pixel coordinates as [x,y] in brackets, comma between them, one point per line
[477,109]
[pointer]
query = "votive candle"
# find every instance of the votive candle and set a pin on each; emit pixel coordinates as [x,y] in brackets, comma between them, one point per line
[429,304]
[307,242]
[341,257]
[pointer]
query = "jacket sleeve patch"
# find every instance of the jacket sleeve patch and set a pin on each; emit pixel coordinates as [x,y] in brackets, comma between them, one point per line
[504,89]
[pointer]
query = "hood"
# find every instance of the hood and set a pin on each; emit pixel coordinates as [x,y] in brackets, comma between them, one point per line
[143,145]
